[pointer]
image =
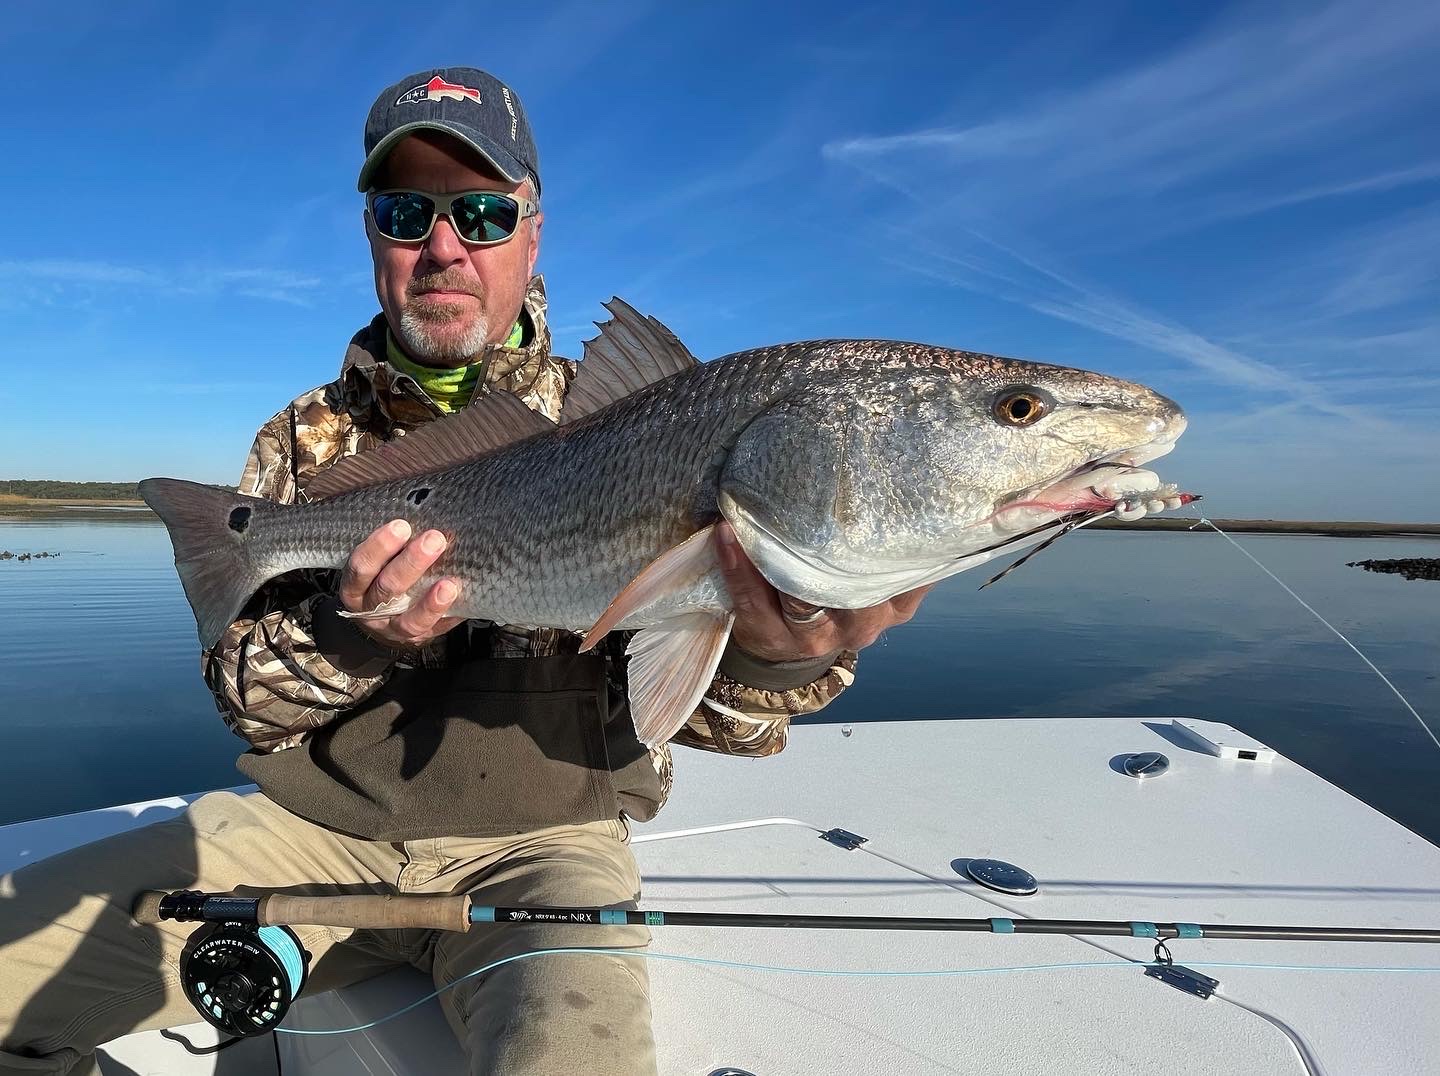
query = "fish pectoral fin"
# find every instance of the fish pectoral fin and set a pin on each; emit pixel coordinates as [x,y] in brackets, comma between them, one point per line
[394,607]
[671,665]
[675,570]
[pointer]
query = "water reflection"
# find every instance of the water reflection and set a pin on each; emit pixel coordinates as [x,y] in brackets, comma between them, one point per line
[101,693]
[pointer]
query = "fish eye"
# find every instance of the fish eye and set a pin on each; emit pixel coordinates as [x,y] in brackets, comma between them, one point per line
[1021,406]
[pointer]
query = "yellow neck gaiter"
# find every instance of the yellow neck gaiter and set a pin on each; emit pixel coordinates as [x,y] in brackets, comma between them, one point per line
[451,389]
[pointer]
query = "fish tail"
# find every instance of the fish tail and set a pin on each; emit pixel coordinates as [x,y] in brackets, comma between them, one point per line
[213,533]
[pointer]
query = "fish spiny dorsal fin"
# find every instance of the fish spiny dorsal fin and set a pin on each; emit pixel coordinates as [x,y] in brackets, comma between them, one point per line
[632,351]
[487,423]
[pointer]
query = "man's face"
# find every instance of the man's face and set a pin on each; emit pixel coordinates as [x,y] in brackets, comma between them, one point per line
[444,300]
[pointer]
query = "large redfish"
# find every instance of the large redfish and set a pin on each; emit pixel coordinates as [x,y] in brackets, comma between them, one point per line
[851,470]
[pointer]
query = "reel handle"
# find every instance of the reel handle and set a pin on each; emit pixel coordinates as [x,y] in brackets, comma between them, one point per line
[373,911]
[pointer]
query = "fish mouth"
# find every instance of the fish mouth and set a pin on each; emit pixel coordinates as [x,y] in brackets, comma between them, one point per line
[1090,499]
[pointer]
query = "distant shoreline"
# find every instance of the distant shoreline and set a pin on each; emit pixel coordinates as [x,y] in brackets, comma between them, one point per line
[11,500]
[75,506]
[1325,528]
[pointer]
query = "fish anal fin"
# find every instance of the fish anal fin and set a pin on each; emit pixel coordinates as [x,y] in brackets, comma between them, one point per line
[670,667]
[675,570]
[488,423]
[633,350]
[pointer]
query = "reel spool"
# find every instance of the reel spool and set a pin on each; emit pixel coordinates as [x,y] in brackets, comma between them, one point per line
[241,977]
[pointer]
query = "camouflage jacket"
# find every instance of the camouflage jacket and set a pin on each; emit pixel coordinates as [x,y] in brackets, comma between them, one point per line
[274,685]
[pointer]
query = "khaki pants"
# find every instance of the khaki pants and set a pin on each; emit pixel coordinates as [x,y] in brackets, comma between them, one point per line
[76,971]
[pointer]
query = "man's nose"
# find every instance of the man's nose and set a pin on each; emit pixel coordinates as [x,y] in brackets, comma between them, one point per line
[443,247]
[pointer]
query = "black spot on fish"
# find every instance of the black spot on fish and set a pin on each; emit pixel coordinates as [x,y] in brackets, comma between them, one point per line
[240,519]
[600,1031]
[577,1000]
[417,495]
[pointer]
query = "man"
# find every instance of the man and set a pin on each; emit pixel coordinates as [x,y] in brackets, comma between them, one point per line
[418,753]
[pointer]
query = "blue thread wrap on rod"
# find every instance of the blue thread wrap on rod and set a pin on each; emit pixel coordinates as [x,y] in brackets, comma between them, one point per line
[1002,926]
[1144,930]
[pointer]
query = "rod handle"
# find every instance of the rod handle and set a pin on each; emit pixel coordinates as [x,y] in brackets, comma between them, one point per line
[377,911]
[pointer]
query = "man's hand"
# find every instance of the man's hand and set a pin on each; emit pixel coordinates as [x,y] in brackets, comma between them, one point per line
[776,627]
[388,563]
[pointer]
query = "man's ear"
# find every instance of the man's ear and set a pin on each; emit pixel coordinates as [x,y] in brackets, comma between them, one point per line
[534,252]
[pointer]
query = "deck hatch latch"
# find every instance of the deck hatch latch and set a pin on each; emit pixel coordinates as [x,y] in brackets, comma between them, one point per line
[843,838]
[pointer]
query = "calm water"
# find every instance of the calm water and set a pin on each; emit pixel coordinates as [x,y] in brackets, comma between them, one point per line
[101,700]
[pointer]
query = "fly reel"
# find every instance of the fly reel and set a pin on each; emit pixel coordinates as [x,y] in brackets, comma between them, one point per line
[242,977]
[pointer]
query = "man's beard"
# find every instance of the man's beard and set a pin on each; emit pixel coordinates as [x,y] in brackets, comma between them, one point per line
[428,330]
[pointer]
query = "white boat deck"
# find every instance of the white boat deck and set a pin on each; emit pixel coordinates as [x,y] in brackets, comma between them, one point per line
[1211,841]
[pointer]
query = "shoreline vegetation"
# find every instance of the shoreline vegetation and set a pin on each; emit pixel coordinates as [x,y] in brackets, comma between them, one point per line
[42,497]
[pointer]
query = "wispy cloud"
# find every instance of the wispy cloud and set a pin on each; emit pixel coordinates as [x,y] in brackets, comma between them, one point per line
[1003,271]
[1245,92]
[1242,206]
[1387,266]
[57,275]
[77,272]
[1242,120]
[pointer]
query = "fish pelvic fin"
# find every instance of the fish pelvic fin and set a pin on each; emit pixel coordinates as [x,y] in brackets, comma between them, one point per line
[672,572]
[671,665]
[633,350]
[212,533]
[394,607]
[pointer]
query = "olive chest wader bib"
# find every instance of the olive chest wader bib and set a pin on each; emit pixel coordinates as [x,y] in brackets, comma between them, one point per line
[485,747]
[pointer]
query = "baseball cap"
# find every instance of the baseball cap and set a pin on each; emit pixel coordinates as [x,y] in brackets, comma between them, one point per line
[465,102]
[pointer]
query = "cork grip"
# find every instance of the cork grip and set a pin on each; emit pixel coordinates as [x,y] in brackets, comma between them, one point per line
[374,912]
[146,909]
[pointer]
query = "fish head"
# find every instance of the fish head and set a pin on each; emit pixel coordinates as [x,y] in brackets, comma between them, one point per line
[930,461]
[1030,437]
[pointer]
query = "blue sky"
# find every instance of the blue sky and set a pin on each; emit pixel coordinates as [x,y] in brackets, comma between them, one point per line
[1237,204]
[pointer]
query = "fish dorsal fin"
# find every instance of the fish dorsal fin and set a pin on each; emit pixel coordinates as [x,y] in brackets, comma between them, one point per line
[633,350]
[487,423]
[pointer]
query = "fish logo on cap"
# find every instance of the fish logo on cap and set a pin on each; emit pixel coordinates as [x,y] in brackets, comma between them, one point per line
[438,89]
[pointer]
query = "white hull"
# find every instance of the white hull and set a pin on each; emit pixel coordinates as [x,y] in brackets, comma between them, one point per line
[1213,840]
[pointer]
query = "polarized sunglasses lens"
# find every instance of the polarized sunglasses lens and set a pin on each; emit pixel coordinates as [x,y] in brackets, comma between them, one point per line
[485,218]
[402,215]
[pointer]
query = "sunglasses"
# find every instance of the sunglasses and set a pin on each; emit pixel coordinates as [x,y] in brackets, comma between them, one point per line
[480,218]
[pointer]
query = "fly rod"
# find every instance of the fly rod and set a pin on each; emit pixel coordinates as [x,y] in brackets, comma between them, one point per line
[459,913]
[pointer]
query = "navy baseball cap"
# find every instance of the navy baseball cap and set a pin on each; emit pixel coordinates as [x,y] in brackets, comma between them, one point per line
[473,106]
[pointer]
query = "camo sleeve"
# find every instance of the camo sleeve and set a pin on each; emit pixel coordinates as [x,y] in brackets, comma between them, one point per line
[272,683]
[736,719]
